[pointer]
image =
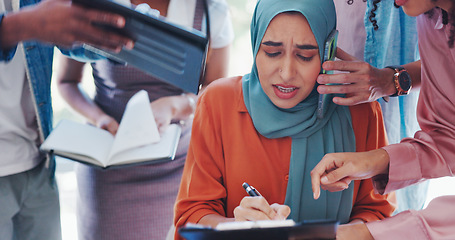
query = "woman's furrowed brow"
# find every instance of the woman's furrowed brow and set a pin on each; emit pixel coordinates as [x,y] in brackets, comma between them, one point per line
[299,46]
[307,47]
[272,44]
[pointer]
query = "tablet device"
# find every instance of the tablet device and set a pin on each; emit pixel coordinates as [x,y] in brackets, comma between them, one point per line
[164,50]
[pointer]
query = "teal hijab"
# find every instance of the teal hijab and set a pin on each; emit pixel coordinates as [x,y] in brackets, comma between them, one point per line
[311,137]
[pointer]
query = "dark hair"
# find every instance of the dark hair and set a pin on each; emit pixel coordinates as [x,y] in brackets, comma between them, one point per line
[372,16]
[447,18]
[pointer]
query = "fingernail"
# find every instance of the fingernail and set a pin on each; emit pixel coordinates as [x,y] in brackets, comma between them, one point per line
[324,180]
[120,22]
[315,196]
[130,45]
[321,89]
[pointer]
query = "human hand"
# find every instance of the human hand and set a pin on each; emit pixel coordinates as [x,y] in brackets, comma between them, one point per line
[257,208]
[62,23]
[108,123]
[336,170]
[163,111]
[353,231]
[170,108]
[359,81]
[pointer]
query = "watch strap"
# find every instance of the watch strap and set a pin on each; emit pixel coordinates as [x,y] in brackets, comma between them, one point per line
[397,70]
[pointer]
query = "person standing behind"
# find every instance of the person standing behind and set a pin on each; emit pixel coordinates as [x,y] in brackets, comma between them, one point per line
[387,39]
[137,202]
[29,30]
[430,154]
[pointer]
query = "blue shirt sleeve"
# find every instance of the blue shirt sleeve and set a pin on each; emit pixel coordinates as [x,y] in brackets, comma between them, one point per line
[81,54]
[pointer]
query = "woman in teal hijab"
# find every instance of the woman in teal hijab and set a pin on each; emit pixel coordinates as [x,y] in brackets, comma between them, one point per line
[263,129]
[277,113]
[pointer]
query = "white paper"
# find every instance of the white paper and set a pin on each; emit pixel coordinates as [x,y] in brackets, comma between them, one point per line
[137,127]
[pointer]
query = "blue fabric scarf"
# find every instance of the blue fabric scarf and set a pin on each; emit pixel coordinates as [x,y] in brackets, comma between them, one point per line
[311,137]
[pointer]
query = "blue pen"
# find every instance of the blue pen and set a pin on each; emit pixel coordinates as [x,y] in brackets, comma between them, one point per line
[251,190]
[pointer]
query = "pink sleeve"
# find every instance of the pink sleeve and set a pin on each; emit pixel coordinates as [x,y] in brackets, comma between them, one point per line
[434,222]
[427,155]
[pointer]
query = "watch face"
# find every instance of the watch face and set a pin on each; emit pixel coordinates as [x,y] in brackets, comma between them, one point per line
[405,80]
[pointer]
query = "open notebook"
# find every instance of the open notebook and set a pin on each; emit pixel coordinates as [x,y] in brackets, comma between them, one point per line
[137,140]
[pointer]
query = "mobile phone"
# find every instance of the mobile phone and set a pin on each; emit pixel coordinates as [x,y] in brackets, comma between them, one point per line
[329,55]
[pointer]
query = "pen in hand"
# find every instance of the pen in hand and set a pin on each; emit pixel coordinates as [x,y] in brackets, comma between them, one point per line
[280,212]
[251,190]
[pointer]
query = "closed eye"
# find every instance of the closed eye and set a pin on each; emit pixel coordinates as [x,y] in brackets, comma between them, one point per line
[272,54]
[306,59]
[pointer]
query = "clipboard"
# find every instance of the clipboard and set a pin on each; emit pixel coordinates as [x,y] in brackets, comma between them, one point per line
[314,229]
[164,50]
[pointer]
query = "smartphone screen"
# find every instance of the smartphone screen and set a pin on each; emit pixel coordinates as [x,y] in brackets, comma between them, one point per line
[329,55]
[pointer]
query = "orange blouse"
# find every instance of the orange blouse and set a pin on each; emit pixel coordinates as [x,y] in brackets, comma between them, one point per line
[226,150]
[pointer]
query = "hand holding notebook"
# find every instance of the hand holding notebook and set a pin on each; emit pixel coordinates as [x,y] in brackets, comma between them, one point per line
[137,140]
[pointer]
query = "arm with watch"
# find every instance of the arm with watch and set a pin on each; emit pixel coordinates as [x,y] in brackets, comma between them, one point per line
[361,82]
[405,78]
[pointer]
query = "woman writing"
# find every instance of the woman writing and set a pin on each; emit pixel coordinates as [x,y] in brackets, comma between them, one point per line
[263,128]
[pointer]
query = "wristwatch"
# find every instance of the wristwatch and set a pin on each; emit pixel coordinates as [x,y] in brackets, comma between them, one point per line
[402,81]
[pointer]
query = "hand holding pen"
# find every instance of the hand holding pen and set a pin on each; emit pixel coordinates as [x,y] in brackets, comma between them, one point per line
[255,207]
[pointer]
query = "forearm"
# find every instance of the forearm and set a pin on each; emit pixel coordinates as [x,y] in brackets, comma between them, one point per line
[217,65]
[77,99]
[414,69]
[353,231]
